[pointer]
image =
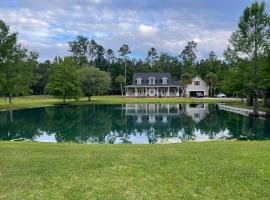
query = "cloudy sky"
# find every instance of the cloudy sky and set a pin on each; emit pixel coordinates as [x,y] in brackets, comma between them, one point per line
[46,26]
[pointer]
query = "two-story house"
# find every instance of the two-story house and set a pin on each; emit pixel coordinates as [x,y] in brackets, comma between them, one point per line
[153,85]
[162,85]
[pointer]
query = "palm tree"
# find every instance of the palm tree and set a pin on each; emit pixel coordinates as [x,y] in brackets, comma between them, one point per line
[186,79]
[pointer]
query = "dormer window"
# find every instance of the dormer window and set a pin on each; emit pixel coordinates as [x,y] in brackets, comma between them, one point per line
[151,80]
[139,81]
[164,80]
[197,83]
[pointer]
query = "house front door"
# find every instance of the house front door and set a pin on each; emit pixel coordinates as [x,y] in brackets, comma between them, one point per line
[152,92]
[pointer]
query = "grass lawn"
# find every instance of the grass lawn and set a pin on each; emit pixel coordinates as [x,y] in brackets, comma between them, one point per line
[207,170]
[37,101]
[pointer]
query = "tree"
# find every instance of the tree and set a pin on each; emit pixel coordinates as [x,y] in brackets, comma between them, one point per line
[79,49]
[151,55]
[188,55]
[94,81]
[110,58]
[64,81]
[211,80]
[124,52]
[16,64]
[120,80]
[251,41]
[41,77]
[92,51]
[186,79]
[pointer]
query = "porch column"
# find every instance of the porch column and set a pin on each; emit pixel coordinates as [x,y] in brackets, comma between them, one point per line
[136,91]
[168,92]
[177,94]
[146,91]
[157,92]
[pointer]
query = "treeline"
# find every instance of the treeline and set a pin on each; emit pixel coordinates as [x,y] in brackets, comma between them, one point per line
[94,70]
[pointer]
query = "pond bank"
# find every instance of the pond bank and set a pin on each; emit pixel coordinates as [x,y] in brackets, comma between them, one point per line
[243,111]
[42,101]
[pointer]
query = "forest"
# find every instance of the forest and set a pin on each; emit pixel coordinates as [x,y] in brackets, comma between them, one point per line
[91,69]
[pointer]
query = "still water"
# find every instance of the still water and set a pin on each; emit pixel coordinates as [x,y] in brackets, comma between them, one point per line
[130,123]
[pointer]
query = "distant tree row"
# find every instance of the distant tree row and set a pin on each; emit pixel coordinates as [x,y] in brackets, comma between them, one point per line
[94,70]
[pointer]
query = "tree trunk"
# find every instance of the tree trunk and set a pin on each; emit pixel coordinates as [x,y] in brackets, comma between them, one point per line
[10,99]
[125,73]
[255,103]
[266,99]
[121,89]
[89,97]
[64,100]
[250,100]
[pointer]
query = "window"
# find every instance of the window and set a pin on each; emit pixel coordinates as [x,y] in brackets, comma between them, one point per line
[164,80]
[197,83]
[139,81]
[151,80]
[196,115]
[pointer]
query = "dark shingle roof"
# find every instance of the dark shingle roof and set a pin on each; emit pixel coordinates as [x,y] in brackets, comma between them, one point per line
[158,76]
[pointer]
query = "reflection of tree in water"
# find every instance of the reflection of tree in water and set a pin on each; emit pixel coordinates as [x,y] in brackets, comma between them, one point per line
[108,123]
[80,124]
[20,124]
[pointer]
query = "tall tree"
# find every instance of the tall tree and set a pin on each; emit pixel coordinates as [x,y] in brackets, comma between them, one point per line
[211,80]
[251,41]
[151,56]
[92,51]
[185,80]
[188,55]
[110,58]
[124,51]
[79,49]
[16,64]
[64,81]
[120,80]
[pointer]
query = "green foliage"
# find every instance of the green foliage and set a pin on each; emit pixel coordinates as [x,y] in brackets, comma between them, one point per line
[94,81]
[211,80]
[249,45]
[16,64]
[64,81]
[120,80]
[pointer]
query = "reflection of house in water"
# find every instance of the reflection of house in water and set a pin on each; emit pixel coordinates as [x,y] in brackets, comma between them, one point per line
[197,111]
[153,114]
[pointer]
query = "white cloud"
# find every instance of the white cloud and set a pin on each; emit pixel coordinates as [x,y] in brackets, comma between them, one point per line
[47,27]
[147,30]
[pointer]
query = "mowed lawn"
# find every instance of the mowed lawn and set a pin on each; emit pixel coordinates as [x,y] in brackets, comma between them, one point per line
[207,170]
[40,101]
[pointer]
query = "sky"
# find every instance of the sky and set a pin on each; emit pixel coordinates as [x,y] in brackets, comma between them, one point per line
[46,26]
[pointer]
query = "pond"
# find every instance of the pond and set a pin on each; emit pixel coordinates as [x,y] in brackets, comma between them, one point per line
[130,123]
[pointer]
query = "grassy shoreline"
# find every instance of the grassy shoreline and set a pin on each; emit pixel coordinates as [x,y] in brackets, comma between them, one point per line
[207,170]
[42,101]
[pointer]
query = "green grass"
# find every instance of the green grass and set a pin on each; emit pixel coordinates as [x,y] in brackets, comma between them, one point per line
[207,170]
[40,101]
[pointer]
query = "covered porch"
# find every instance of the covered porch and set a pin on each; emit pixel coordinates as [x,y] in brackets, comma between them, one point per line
[157,91]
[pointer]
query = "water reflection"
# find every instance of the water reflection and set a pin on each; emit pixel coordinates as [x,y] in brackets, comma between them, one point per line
[130,123]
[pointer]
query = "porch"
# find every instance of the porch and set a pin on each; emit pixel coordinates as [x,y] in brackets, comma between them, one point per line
[153,91]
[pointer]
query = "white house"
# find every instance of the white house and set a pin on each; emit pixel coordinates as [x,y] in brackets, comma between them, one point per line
[162,85]
[198,85]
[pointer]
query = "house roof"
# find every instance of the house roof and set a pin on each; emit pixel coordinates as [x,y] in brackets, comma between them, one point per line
[148,75]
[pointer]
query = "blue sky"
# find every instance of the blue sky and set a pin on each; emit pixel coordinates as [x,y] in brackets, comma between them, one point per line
[46,26]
